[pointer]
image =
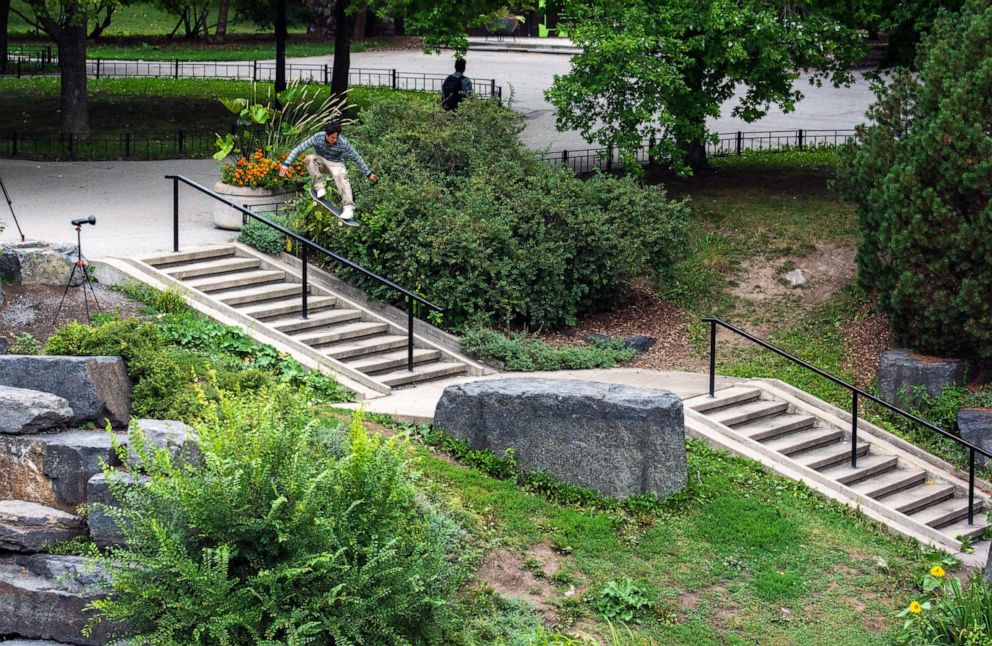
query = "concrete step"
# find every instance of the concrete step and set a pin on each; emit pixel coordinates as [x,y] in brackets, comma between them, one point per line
[889,482]
[164,260]
[829,454]
[870,465]
[425,372]
[723,398]
[946,512]
[330,319]
[211,284]
[335,333]
[961,528]
[259,293]
[272,309]
[747,412]
[915,498]
[768,427]
[804,440]
[293,324]
[211,267]
[362,347]
[387,361]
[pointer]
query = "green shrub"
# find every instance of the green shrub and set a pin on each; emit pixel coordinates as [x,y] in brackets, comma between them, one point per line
[950,613]
[520,353]
[262,236]
[920,178]
[289,533]
[24,343]
[625,601]
[465,216]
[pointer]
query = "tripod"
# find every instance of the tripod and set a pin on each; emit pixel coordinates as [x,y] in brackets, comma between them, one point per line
[80,264]
[10,205]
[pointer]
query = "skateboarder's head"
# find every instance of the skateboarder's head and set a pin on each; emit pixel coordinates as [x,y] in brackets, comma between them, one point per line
[460,65]
[332,131]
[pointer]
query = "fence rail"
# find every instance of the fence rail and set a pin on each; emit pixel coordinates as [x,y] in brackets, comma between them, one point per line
[35,63]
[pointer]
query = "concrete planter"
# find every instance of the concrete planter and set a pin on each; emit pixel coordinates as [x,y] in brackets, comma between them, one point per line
[227,218]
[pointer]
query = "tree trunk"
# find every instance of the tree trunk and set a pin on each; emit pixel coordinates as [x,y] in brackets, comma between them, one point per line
[220,32]
[72,64]
[101,25]
[694,155]
[361,19]
[4,17]
[343,29]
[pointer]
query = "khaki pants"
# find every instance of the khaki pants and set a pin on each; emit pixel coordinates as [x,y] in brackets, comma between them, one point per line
[317,166]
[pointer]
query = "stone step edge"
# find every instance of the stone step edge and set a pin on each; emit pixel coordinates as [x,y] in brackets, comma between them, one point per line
[115,270]
[723,438]
[321,280]
[909,454]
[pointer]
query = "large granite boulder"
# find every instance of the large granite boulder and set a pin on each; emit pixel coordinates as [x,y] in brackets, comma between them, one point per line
[4,343]
[30,527]
[177,438]
[38,263]
[901,372]
[52,469]
[99,496]
[28,411]
[975,426]
[97,388]
[617,440]
[45,597]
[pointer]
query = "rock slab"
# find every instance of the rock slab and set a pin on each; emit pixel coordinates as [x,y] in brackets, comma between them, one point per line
[45,597]
[177,438]
[28,411]
[901,372]
[99,496]
[97,388]
[30,527]
[52,469]
[37,263]
[975,426]
[617,440]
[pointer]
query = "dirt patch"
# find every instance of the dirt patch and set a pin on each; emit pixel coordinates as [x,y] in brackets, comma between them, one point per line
[865,340]
[641,312]
[31,309]
[827,269]
[688,601]
[518,578]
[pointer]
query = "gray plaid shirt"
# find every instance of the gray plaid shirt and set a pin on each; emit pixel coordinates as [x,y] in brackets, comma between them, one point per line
[335,153]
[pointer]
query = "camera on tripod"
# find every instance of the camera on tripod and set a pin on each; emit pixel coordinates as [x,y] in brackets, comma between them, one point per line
[81,221]
[81,266]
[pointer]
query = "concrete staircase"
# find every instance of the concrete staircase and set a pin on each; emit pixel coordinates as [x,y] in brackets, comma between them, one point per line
[354,340]
[804,438]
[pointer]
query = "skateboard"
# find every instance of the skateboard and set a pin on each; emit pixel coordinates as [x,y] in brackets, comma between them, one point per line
[353,222]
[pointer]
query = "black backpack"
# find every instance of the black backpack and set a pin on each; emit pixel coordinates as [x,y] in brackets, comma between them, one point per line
[451,92]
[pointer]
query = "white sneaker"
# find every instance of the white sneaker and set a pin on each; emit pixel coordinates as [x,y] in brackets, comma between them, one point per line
[348,212]
[321,192]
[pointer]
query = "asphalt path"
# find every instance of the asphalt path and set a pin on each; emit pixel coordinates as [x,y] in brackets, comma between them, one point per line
[133,202]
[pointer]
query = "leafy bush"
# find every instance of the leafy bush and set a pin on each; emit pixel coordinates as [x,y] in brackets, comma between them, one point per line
[24,343]
[949,612]
[262,236]
[466,216]
[289,533]
[920,178]
[521,353]
[626,601]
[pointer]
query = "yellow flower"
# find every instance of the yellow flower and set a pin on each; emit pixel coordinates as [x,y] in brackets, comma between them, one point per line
[937,571]
[915,607]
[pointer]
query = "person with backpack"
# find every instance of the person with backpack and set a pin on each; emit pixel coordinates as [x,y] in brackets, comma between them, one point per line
[456,87]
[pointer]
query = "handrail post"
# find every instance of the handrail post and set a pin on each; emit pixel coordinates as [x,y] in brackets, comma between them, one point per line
[712,358]
[303,256]
[971,486]
[854,429]
[175,214]
[409,334]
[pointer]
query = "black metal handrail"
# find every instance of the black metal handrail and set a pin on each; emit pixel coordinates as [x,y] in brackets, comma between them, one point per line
[305,245]
[856,393]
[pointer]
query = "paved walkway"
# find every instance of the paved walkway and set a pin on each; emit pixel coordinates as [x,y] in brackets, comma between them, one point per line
[417,405]
[132,203]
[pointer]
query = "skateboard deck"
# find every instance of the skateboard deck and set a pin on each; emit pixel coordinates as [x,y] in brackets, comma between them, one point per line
[353,222]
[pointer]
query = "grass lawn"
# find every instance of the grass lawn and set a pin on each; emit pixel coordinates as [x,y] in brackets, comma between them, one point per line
[138,105]
[742,558]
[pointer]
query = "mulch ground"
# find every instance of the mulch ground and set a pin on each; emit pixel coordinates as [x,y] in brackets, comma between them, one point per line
[31,309]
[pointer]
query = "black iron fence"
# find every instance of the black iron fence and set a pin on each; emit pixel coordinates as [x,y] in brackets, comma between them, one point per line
[34,63]
[722,144]
[177,145]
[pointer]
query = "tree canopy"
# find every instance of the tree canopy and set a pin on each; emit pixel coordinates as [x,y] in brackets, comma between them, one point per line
[659,68]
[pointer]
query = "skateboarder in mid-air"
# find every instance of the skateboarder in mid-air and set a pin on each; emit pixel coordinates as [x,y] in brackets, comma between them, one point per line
[330,149]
